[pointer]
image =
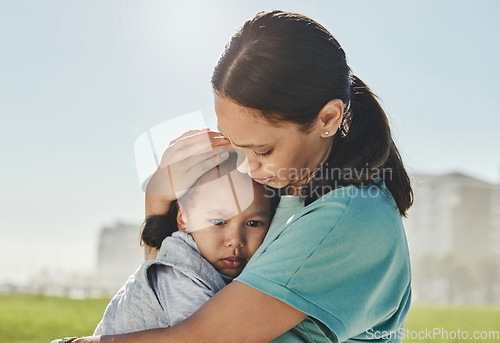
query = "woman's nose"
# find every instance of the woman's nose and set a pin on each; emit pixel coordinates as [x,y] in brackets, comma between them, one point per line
[246,164]
[235,237]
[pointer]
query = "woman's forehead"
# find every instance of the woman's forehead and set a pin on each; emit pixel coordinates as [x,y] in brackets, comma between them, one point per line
[242,124]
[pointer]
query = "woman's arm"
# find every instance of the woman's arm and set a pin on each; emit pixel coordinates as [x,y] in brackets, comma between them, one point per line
[237,313]
[185,160]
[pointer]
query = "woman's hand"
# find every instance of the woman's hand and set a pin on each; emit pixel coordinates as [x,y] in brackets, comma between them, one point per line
[89,339]
[185,160]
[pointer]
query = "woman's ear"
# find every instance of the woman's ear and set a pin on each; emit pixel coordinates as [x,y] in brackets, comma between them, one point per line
[330,117]
[181,222]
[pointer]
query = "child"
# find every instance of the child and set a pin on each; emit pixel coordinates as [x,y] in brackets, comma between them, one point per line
[222,220]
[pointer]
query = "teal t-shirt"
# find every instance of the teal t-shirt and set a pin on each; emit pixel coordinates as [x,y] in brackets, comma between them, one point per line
[343,260]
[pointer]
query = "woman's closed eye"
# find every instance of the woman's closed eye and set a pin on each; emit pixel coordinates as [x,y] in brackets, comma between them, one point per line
[261,154]
[218,222]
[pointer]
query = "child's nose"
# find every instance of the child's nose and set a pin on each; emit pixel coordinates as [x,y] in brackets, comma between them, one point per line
[235,237]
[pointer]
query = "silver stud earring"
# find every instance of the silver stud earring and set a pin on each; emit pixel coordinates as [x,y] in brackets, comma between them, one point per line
[327,133]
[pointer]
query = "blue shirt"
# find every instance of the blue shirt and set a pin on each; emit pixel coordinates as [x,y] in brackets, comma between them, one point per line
[343,260]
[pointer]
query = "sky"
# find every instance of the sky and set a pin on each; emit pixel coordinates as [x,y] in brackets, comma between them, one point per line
[80,81]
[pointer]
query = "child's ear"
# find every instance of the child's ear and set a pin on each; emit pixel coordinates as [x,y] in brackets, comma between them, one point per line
[181,223]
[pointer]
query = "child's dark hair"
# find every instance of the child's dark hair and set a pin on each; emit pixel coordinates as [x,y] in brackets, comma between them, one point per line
[157,227]
[289,67]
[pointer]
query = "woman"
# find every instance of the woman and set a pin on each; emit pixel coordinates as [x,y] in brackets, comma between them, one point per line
[335,264]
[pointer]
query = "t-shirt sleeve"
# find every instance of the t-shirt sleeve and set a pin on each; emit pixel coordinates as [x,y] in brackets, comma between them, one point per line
[342,262]
[179,295]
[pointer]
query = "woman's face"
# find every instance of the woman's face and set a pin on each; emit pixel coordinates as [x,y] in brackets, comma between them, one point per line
[279,156]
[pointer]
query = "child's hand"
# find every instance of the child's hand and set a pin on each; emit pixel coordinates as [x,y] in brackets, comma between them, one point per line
[185,160]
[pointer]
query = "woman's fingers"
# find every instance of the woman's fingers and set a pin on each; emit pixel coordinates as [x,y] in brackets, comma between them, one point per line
[211,161]
[189,133]
[66,340]
[219,141]
[199,136]
[207,160]
[89,339]
[190,161]
[186,172]
[193,142]
[193,135]
[172,180]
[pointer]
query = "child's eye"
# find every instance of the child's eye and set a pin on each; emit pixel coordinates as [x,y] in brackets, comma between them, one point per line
[257,154]
[254,223]
[218,222]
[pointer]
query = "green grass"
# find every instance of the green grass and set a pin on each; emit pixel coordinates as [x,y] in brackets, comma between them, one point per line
[453,318]
[30,319]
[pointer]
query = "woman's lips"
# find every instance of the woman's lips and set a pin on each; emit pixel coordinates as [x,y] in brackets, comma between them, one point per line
[232,262]
[263,181]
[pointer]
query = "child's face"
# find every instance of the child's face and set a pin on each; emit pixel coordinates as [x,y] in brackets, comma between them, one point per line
[226,236]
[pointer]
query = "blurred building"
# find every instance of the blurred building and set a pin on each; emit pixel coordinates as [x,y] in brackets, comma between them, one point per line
[119,255]
[454,212]
[453,231]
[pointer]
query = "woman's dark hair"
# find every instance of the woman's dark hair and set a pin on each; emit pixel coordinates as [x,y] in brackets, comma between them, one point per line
[289,67]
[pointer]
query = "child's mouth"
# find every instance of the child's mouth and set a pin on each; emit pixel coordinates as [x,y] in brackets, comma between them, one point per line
[232,262]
